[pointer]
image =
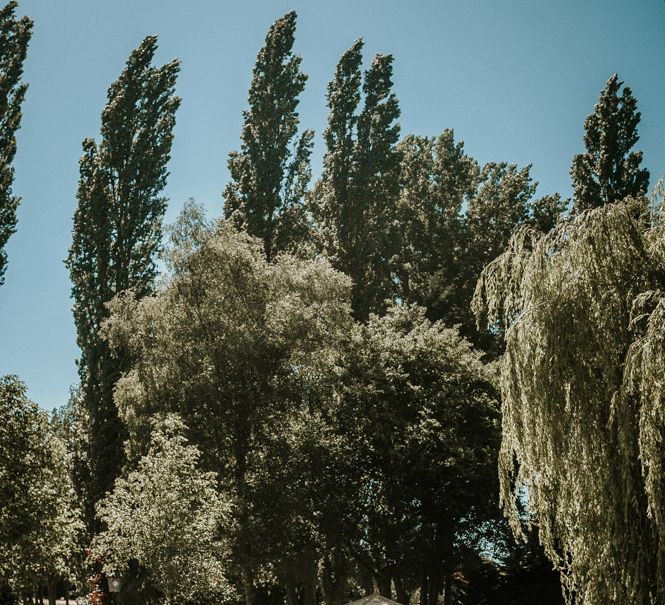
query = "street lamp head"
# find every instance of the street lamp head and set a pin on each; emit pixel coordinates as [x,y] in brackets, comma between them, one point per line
[115,582]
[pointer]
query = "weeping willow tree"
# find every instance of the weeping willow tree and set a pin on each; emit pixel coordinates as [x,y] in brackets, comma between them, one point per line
[582,310]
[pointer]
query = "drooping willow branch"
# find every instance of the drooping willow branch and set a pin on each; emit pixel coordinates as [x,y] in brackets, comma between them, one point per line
[582,310]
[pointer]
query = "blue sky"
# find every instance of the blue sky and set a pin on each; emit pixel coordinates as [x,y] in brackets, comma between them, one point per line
[514,78]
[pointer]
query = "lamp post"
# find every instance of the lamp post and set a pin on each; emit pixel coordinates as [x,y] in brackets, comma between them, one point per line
[115,583]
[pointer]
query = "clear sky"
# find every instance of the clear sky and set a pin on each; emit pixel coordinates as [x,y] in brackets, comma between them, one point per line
[514,78]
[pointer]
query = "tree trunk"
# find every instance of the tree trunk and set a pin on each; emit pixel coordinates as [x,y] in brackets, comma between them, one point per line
[424,588]
[309,581]
[434,586]
[403,596]
[333,580]
[384,583]
[340,577]
[51,587]
[248,585]
[447,589]
[290,584]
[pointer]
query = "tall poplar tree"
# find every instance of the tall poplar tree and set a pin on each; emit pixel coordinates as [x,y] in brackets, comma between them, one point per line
[117,232]
[608,171]
[14,38]
[355,204]
[271,171]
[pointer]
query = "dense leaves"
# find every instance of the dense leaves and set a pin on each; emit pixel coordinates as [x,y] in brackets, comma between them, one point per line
[40,525]
[117,232]
[582,414]
[608,171]
[238,347]
[271,171]
[14,38]
[295,412]
[421,407]
[167,517]
[354,204]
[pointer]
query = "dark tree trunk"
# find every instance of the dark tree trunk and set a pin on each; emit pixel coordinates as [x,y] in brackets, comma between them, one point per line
[290,584]
[334,578]
[383,582]
[434,586]
[309,581]
[248,585]
[51,587]
[447,588]
[424,588]
[403,596]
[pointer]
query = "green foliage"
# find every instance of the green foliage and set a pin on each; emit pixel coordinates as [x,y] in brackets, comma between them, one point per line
[499,205]
[354,203]
[547,211]
[117,232]
[269,179]
[40,526]
[14,38]
[608,171]
[421,408]
[582,402]
[437,181]
[239,347]
[167,516]
[454,218]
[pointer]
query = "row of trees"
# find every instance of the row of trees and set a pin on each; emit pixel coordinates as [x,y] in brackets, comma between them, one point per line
[288,414]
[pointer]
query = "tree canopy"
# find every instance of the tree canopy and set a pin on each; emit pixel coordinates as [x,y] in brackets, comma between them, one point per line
[608,171]
[14,38]
[583,420]
[167,516]
[40,525]
[117,233]
[354,204]
[271,171]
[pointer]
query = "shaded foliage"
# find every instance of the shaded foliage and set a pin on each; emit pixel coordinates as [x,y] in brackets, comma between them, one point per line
[608,171]
[116,234]
[271,171]
[354,203]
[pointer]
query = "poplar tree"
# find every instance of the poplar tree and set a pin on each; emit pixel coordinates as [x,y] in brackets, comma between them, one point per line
[14,38]
[356,199]
[271,171]
[608,170]
[116,234]
[331,204]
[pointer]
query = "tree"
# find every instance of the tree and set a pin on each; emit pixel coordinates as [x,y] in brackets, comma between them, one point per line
[546,212]
[40,527]
[500,204]
[168,517]
[421,408]
[240,348]
[608,171]
[454,218]
[14,38]
[438,179]
[355,201]
[584,314]
[116,234]
[269,178]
